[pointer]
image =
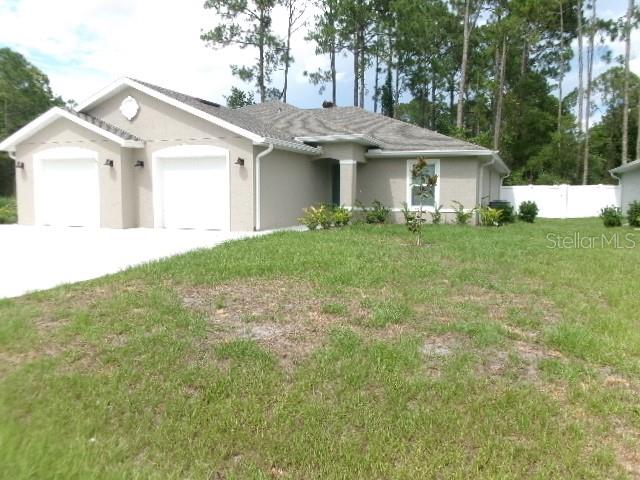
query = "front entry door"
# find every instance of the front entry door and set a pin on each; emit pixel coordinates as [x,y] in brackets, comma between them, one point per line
[335,184]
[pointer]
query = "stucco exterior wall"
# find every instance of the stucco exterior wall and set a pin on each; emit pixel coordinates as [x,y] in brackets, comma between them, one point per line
[630,183]
[344,151]
[385,179]
[290,182]
[64,133]
[129,202]
[491,181]
[161,126]
[496,183]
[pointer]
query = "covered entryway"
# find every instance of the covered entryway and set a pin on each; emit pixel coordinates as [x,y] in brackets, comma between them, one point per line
[67,188]
[191,187]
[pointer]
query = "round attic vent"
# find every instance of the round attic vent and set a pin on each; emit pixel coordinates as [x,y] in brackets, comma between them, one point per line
[129,108]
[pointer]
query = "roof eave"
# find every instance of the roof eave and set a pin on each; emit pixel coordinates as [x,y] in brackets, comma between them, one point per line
[626,167]
[289,146]
[10,143]
[124,82]
[439,152]
[359,138]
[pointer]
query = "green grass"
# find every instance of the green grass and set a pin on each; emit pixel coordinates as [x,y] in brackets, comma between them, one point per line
[8,210]
[334,354]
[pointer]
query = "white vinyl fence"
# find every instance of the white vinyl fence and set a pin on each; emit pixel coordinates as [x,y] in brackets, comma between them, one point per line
[564,201]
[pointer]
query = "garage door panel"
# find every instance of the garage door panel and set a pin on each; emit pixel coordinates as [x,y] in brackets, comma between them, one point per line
[193,192]
[68,192]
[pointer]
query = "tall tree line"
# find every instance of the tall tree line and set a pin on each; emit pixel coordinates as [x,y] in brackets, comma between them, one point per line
[489,71]
[25,93]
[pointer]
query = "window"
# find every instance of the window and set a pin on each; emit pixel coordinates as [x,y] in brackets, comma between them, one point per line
[413,190]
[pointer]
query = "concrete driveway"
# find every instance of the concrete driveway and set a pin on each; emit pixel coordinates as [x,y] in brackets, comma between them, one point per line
[37,258]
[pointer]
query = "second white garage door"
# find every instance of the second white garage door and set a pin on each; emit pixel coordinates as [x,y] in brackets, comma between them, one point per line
[191,192]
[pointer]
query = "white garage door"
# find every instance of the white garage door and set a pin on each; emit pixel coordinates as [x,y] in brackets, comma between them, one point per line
[192,192]
[67,189]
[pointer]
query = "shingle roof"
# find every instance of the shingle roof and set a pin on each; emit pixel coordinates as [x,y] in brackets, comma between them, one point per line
[626,167]
[283,121]
[104,125]
[395,134]
[238,117]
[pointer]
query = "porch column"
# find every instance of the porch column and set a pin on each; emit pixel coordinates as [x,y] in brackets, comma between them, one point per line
[348,177]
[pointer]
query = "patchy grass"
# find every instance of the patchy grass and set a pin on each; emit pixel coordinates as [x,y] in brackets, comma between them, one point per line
[8,210]
[334,354]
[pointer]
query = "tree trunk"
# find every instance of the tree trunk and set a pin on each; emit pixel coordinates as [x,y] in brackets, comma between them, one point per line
[287,59]
[362,69]
[261,45]
[496,76]
[561,77]
[580,74]
[452,88]
[433,103]
[591,48]
[625,110]
[356,62]
[332,59]
[525,59]
[463,67]
[396,93]
[423,109]
[498,119]
[377,83]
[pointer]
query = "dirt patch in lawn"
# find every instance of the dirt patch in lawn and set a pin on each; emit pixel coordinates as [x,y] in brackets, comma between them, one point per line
[288,316]
[626,443]
[500,306]
[442,345]
[519,357]
[284,315]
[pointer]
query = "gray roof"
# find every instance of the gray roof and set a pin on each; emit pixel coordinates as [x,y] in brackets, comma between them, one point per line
[104,125]
[395,134]
[283,121]
[238,117]
[626,167]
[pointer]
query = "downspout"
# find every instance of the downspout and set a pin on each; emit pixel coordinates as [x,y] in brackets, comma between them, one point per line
[257,167]
[480,187]
[12,155]
[615,176]
[619,185]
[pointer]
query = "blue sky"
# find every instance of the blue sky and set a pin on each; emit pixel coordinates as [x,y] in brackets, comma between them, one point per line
[85,44]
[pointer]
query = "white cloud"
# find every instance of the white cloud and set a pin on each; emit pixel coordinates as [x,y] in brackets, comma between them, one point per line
[83,45]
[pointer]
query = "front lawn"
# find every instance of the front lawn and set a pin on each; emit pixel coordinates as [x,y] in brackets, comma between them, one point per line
[335,354]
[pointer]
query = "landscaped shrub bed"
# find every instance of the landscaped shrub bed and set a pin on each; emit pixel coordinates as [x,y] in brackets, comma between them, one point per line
[611,216]
[633,214]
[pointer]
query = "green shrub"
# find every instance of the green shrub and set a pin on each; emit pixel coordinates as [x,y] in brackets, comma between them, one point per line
[507,216]
[633,214]
[341,216]
[325,216]
[8,211]
[490,217]
[462,216]
[436,215]
[611,216]
[376,214]
[313,217]
[528,211]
